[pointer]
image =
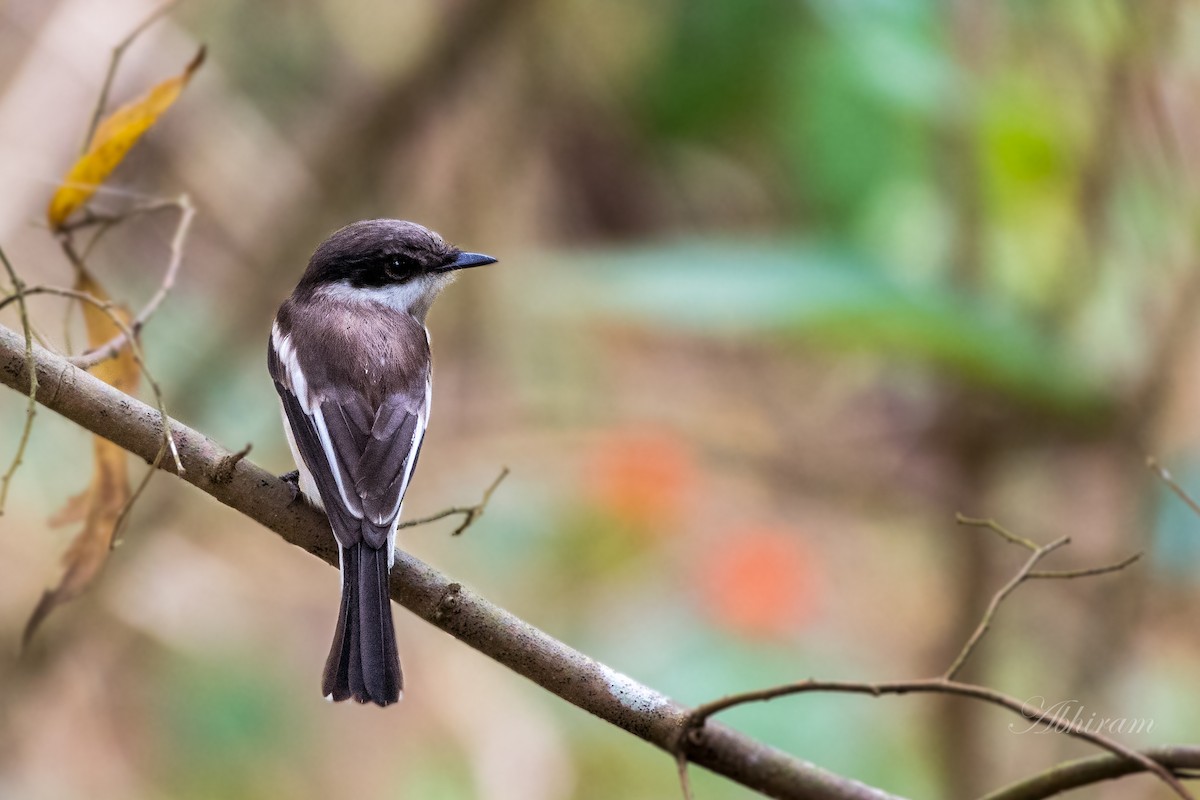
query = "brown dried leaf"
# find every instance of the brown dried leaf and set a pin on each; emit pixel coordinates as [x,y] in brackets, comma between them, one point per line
[74,511]
[112,140]
[101,504]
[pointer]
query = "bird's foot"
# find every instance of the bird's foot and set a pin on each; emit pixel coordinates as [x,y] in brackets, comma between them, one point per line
[292,479]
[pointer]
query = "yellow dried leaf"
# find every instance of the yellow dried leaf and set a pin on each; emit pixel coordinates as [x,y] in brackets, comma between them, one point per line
[122,371]
[112,140]
[100,506]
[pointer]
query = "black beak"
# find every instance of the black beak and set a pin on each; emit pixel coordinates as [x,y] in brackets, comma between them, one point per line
[466,260]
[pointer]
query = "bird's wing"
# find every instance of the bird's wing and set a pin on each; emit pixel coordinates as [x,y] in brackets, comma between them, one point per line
[360,454]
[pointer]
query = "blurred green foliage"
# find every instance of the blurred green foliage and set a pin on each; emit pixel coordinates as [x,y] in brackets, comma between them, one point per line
[822,296]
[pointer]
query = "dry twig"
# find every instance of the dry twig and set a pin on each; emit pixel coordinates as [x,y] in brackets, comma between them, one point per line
[1026,572]
[111,348]
[939,685]
[1165,476]
[19,293]
[108,308]
[114,62]
[470,513]
[155,465]
[945,683]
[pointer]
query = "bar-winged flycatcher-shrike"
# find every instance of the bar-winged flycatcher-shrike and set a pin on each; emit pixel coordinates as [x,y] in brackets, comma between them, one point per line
[349,353]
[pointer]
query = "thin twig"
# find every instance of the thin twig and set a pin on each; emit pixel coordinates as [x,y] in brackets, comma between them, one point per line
[131,340]
[29,291]
[1087,572]
[89,218]
[1165,476]
[31,410]
[989,614]
[1026,572]
[681,769]
[155,465]
[470,513]
[38,336]
[104,222]
[114,61]
[938,686]
[68,348]
[945,683]
[108,308]
[996,527]
[113,346]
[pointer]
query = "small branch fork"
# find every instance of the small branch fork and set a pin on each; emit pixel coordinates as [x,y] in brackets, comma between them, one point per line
[1026,572]
[111,348]
[470,513]
[692,732]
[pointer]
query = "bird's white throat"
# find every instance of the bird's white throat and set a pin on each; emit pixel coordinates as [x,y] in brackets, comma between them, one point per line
[413,296]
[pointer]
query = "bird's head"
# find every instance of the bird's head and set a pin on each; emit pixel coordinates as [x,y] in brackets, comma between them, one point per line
[391,261]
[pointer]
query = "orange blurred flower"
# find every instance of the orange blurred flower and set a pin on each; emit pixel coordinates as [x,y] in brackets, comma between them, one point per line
[760,580]
[643,477]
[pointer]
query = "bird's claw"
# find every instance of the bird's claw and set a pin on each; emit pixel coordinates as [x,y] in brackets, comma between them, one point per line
[292,479]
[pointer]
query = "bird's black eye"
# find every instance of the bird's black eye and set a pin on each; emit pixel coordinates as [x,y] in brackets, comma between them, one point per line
[399,267]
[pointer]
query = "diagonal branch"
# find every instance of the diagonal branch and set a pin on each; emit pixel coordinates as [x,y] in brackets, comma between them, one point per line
[1094,769]
[498,634]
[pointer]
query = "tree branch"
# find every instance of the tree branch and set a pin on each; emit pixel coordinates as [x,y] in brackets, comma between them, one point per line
[1135,760]
[573,676]
[1094,769]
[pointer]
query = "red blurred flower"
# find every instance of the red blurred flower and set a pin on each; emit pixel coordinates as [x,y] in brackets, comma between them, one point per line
[760,580]
[641,476]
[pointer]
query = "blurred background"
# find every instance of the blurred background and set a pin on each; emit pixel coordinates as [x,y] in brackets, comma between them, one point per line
[784,285]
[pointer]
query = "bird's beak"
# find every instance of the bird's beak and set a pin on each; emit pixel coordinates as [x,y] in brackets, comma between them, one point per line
[466,260]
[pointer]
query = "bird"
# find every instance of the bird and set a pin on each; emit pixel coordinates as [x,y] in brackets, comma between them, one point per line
[350,357]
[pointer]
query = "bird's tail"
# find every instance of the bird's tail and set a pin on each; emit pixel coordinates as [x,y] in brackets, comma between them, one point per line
[363,662]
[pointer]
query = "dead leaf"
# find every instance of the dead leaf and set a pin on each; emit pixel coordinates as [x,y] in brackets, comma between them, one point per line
[74,511]
[100,506]
[112,140]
